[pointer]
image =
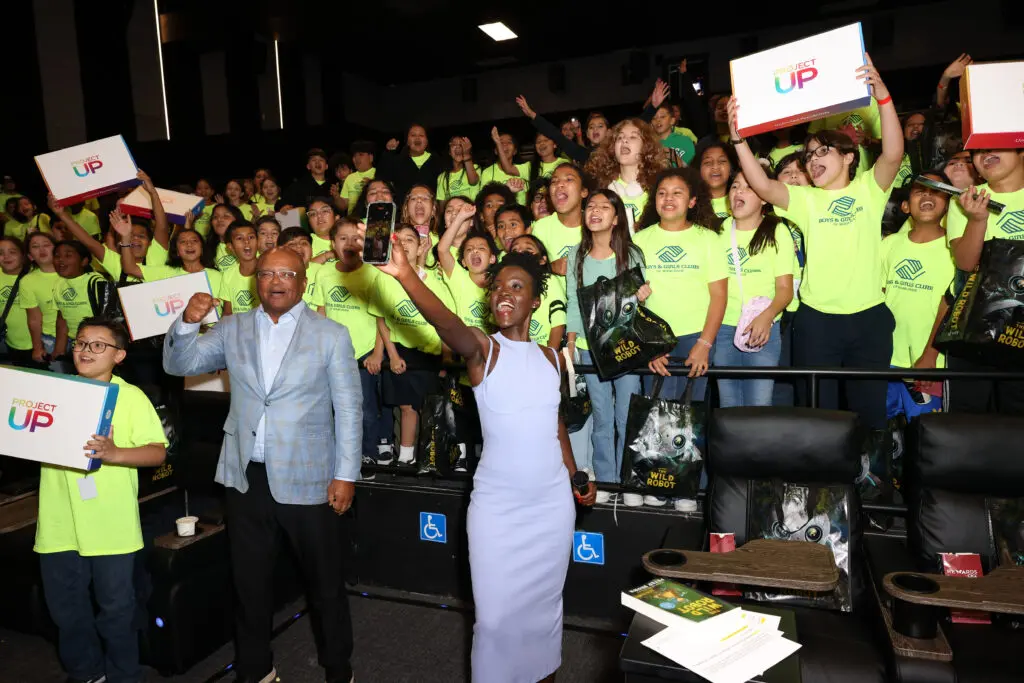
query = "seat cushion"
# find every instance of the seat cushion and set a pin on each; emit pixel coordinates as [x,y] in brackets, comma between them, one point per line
[837,648]
[986,654]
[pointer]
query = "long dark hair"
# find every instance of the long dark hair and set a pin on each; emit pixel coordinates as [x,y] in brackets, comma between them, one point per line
[212,238]
[360,209]
[535,165]
[764,235]
[840,142]
[700,214]
[621,243]
[205,258]
[449,168]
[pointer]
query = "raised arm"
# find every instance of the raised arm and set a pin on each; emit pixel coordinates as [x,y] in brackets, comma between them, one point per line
[186,353]
[468,342]
[888,163]
[460,226]
[161,229]
[575,151]
[967,248]
[503,159]
[954,70]
[120,224]
[772,191]
[472,177]
[95,246]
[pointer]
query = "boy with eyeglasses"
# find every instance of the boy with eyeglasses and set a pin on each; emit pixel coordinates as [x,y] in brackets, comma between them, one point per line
[89,530]
[321,216]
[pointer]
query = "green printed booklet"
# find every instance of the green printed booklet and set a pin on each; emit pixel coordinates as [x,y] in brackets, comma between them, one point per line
[676,605]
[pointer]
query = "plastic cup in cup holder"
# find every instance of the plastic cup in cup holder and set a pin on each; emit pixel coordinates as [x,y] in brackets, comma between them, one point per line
[910,619]
[915,583]
[667,558]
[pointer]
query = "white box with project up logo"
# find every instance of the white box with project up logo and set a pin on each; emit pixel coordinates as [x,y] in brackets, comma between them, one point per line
[96,168]
[50,417]
[176,204]
[992,105]
[150,308]
[800,81]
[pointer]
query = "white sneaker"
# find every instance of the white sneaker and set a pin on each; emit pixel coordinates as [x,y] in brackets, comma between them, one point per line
[407,459]
[603,497]
[385,454]
[632,500]
[655,501]
[685,505]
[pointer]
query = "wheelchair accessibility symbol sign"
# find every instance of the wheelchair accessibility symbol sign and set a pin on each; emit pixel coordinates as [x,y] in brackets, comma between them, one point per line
[588,547]
[433,527]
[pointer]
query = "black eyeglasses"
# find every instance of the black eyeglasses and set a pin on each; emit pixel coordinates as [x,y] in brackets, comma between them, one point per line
[94,346]
[816,152]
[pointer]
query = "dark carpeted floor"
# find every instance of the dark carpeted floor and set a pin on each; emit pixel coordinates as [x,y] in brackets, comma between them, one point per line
[394,643]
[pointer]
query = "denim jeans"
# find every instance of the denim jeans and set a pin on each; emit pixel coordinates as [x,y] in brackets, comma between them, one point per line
[66,579]
[378,422]
[583,446]
[746,392]
[674,387]
[610,401]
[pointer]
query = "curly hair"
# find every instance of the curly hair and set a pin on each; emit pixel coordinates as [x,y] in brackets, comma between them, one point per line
[604,167]
[701,214]
[530,263]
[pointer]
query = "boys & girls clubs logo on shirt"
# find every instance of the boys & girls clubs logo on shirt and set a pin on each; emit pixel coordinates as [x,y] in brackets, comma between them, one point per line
[671,259]
[38,415]
[339,294]
[245,298]
[907,271]
[1012,223]
[479,309]
[87,166]
[69,295]
[795,76]
[844,210]
[744,256]
[407,310]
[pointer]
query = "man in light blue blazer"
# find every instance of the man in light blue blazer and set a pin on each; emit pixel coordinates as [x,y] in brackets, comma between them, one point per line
[291,453]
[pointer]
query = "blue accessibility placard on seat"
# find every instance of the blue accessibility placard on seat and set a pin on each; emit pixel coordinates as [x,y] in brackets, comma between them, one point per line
[433,527]
[588,547]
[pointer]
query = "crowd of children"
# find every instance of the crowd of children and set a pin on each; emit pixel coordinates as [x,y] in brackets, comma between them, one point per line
[757,253]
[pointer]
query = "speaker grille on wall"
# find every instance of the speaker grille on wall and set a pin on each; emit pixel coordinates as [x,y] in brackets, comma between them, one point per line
[883,31]
[556,78]
[469,90]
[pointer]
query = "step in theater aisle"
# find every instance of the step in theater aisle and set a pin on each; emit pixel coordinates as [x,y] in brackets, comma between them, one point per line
[394,643]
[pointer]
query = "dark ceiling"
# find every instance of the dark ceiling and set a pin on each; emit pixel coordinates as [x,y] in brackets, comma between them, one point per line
[395,41]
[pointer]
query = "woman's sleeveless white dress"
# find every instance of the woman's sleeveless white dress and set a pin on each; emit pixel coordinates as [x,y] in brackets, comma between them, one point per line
[521,518]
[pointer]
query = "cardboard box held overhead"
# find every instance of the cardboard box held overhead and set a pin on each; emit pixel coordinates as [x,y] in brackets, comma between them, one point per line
[96,168]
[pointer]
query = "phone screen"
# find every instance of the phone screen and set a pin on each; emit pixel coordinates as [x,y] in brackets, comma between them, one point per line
[380,224]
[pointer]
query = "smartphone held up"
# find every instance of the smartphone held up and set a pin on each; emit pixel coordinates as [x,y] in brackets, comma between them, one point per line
[380,225]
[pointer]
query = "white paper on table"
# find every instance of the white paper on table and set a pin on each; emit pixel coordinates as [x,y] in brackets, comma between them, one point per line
[765,622]
[733,657]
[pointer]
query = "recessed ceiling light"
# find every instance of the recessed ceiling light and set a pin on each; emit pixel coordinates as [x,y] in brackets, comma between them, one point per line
[498,31]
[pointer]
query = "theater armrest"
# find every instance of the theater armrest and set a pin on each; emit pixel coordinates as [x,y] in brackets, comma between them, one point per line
[885,554]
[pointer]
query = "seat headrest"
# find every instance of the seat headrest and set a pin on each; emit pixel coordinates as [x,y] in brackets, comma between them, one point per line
[971,454]
[797,444]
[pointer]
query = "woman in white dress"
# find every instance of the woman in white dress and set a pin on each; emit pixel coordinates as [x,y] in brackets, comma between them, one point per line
[521,512]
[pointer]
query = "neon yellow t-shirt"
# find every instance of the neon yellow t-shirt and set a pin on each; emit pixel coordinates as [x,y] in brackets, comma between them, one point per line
[494,174]
[720,205]
[38,223]
[556,237]
[421,159]
[36,291]
[18,337]
[346,300]
[202,221]
[680,266]
[112,264]
[309,296]
[680,130]
[109,523]
[843,237]
[1008,225]
[224,259]
[320,245]
[777,154]
[548,167]
[905,172]
[456,184]
[72,299]
[759,271]
[916,279]
[551,312]
[239,290]
[353,186]
[798,271]
[88,220]
[407,326]
[634,205]
[866,119]
[472,302]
